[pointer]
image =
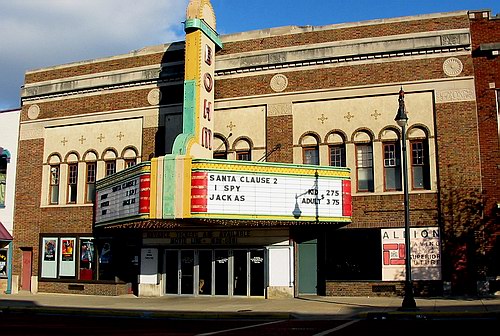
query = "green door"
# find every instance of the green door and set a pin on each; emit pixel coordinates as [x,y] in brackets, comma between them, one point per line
[308,267]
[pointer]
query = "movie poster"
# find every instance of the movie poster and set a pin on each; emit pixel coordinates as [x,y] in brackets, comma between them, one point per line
[87,251]
[67,259]
[67,247]
[49,253]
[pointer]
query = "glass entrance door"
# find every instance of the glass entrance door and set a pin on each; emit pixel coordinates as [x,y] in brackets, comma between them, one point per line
[221,276]
[187,272]
[257,272]
[172,272]
[239,272]
[205,275]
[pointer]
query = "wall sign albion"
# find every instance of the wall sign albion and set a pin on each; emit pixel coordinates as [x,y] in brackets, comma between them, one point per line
[425,254]
[260,194]
[127,198]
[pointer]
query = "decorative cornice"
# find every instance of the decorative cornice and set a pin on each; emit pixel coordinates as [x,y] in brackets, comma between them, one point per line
[101,89]
[335,60]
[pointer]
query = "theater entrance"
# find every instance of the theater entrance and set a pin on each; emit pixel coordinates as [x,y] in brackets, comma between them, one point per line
[221,272]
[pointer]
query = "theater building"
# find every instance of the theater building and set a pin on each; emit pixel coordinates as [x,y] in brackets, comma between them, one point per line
[265,163]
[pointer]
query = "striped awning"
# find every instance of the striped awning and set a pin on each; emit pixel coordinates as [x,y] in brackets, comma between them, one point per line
[4,234]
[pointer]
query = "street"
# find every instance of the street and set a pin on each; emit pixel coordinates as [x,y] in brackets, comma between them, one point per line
[47,324]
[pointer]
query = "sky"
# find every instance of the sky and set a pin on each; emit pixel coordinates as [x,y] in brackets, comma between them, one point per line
[42,33]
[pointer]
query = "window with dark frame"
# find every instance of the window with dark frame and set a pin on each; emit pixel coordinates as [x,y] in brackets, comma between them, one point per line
[54,184]
[3,178]
[90,182]
[3,263]
[311,155]
[420,169]
[392,166]
[337,155]
[243,155]
[222,155]
[364,167]
[130,162]
[110,167]
[72,182]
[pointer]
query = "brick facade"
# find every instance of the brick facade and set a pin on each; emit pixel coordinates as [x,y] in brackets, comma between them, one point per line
[485,30]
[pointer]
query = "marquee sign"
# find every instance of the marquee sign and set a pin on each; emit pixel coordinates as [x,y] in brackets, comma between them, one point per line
[273,196]
[127,198]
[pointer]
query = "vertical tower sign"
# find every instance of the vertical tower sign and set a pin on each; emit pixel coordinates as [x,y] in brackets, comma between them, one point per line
[202,41]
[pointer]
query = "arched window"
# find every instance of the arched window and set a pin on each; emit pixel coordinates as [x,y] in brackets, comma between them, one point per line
[220,147]
[90,159]
[72,161]
[391,159]
[310,149]
[419,160]
[110,161]
[130,157]
[337,152]
[364,161]
[54,178]
[243,149]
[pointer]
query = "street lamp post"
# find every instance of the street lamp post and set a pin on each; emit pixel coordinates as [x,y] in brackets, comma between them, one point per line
[402,119]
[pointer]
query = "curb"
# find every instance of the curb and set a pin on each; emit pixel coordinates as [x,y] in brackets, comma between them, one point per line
[145,314]
[428,315]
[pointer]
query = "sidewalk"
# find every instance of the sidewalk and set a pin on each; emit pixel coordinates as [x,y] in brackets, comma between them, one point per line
[306,307]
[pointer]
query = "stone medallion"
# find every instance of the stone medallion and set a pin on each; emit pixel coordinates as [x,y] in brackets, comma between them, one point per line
[453,67]
[33,111]
[279,83]
[154,96]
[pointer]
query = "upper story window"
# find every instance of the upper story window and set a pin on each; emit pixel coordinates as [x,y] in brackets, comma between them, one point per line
[337,150]
[419,158]
[220,147]
[310,149]
[243,155]
[54,162]
[311,155]
[90,182]
[130,157]
[4,159]
[110,162]
[364,161]
[90,175]
[420,171]
[337,155]
[54,184]
[110,167]
[392,167]
[130,162]
[72,182]
[364,167]
[72,173]
[243,149]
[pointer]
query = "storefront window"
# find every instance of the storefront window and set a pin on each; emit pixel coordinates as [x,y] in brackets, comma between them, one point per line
[87,259]
[68,258]
[3,263]
[106,261]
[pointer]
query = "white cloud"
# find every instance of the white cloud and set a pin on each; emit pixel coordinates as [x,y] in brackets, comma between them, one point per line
[40,33]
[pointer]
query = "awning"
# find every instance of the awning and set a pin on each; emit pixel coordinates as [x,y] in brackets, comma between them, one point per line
[4,234]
